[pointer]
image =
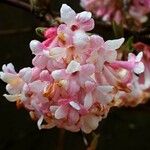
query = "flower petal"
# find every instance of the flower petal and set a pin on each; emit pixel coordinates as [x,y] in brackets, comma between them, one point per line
[40,122]
[114,44]
[59,74]
[57,53]
[74,105]
[12,98]
[73,67]
[61,112]
[88,100]
[9,68]
[139,57]
[80,39]
[36,46]
[26,74]
[67,14]
[83,16]
[89,123]
[139,68]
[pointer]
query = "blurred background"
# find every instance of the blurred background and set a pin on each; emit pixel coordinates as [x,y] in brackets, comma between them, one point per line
[124,128]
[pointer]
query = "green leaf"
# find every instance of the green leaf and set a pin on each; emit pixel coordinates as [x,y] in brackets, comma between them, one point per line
[118,30]
[127,46]
[40,31]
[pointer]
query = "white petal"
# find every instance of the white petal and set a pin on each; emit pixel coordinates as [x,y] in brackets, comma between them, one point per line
[110,56]
[8,77]
[57,53]
[26,74]
[9,68]
[73,67]
[40,122]
[114,44]
[58,74]
[88,100]
[37,86]
[104,94]
[81,39]
[105,88]
[53,109]
[67,14]
[36,46]
[12,98]
[139,68]
[61,112]
[89,123]
[139,57]
[74,105]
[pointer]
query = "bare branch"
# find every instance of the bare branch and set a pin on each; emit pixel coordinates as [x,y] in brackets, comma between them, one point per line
[18,3]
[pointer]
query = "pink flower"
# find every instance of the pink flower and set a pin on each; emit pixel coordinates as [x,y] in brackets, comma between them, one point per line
[144,78]
[76,77]
[75,21]
[50,34]
[134,63]
[119,11]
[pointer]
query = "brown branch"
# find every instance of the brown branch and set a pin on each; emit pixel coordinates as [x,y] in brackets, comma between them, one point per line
[19,4]
[47,16]
[61,140]
[15,31]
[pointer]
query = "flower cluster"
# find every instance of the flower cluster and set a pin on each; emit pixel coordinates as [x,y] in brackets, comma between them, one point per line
[77,77]
[127,12]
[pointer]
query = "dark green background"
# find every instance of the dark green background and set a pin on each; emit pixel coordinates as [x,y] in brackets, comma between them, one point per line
[124,128]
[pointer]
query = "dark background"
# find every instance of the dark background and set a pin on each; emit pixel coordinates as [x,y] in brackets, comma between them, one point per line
[123,129]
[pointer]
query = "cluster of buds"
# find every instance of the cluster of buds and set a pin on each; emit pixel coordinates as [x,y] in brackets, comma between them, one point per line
[76,76]
[126,12]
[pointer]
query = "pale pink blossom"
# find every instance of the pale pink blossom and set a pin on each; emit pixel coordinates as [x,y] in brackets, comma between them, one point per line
[122,12]
[76,77]
[145,49]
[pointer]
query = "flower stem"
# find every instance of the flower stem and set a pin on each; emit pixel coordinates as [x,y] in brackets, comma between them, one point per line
[60,145]
[94,143]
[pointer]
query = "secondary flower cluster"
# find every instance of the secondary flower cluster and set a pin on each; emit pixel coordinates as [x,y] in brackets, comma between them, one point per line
[77,77]
[127,12]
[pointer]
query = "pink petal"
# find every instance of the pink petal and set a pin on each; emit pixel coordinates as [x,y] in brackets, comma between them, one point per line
[88,26]
[40,61]
[73,87]
[96,42]
[45,76]
[83,16]
[87,69]
[50,32]
[73,116]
